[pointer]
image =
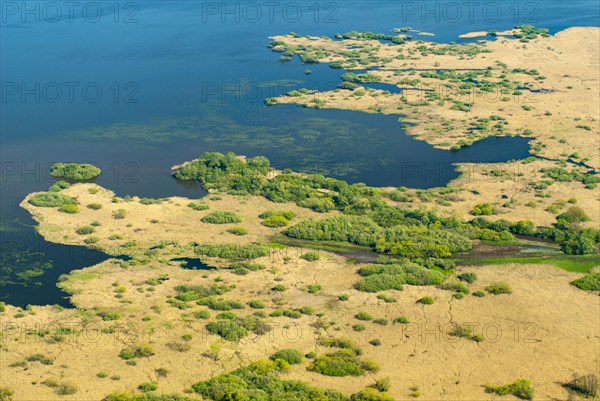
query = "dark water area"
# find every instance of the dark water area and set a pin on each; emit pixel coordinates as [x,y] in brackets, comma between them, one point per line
[160,82]
[192,264]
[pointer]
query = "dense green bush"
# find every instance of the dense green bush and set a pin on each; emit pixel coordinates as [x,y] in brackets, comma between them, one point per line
[363,316]
[69,208]
[590,282]
[425,301]
[51,199]
[119,214]
[147,387]
[137,351]
[238,231]
[94,206]
[198,206]
[283,213]
[467,277]
[275,221]
[289,355]
[521,388]
[261,382]
[311,256]
[147,397]
[381,277]
[74,171]
[499,288]
[243,268]
[482,209]
[221,217]
[344,362]
[238,328]
[59,186]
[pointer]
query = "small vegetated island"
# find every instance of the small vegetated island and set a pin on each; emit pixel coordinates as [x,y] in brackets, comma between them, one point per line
[312,288]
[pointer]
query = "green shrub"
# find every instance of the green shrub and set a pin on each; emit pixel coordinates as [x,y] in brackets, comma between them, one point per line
[479,294]
[279,287]
[137,351]
[344,297]
[44,360]
[221,218]
[521,388]
[394,276]
[91,240]
[359,327]
[343,362]
[238,230]
[147,387]
[2,307]
[499,288]
[482,209]
[467,277]
[401,320]
[69,208]
[426,301]
[119,214]
[289,355]
[260,381]
[311,256]
[363,316]
[66,389]
[74,171]
[203,314]
[386,298]
[51,199]
[85,230]
[465,332]
[381,322]
[198,206]
[371,394]
[243,268]
[590,282]
[314,288]
[236,329]
[383,384]
[283,213]
[94,206]
[275,222]
[256,304]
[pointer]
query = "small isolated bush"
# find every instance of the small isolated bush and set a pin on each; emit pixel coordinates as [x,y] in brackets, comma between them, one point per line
[359,327]
[375,342]
[291,356]
[236,329]
[238,230]
[283,213]
[499,288]
[386,298]
[147,387]
[137,351]
[94,206]
[344,297]
[521,388]
[119,214]
[363,316]
[275,222]
[426,301]
[311,256]
[383,384]
[198,206]
[586,385]
[401,320]
[381,322]
[69,208]
[314,288]
[44,360]
[256,304]
[479,294]
[221,218]
[203,314]
[465,332]
[66,389]
[467,277]
[483,209]
[84,230]
[279,288]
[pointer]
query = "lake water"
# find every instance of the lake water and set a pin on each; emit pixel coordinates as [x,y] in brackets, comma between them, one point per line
[140,86]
